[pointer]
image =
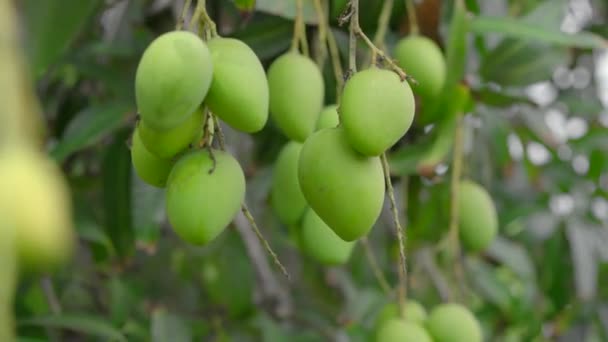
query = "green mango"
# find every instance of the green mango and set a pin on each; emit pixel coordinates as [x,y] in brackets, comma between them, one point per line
[35,205]
[239,90]
[202,200]
[286,198]
[296,95]
[328,118]
[477,217]
[172,79]
[167,143]
[397,329]
[345,188]
[319,242]
[377,109]
[150,168]
[413,312]
[453,322]
[421,58]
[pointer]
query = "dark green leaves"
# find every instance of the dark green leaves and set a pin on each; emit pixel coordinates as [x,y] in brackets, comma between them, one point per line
[90,325]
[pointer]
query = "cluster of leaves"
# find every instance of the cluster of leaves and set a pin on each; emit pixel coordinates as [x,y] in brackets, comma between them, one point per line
[134,280]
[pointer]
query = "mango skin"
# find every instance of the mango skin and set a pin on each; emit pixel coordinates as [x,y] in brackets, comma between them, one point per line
[35,203]
[343,187]
[414,312]
[150,168]
[422,59]
[172,79]
[397,329]
[286,198]
[319,242]
[328,118]
[376,110]
[239,92]
[453,322]
[477,216]
[296,95]
[199,204]
[166,144]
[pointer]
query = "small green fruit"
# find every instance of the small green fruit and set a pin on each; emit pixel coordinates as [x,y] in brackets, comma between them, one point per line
[422,59]
[413,312]
[319,242]
[173,77]
[150,168]
[296,95]
[477,216]
[329,118]
[166,144]
[376,110]
[400,330]
[239,90]
[286,197]
[203,200]
[35,203]
[343,187]
[454,323]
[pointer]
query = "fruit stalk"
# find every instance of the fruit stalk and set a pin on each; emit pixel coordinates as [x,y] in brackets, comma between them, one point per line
[182,17]
[206,26]
[373,263]
[383,19]
[322,33]
[299,31]
[411,15]
[220,137]
[336,63]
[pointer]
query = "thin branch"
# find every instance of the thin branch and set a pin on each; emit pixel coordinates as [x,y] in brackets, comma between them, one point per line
[400,233]
[182,17]
[336,63]
[322,33]
[383,21]
[454,238]
[299,30]
[352,36]
[439,282]
[373,263]
[411,14]
[51,296]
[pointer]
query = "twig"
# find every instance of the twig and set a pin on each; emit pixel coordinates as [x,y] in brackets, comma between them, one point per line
[51,296]
[299,30]
[411,14]
[373,263]
[322,33]
[383,20]
[182,17]
[400,233]
[352,36]
[336,63]
[428,264]
[245,210]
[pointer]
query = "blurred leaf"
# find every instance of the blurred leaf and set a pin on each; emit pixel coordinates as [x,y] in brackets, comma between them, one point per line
[89,127]
[168,327]
[488,285]
[116,170]
[456,50]
[516,28]
[585,259]
[52,26]
[148,204]
[81,323]
[500,96]
[287,9]
[514,256]
[245,5]
[267,37]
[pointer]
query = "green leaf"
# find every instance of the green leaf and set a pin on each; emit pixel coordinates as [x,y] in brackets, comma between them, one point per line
[91,325]
[52,26]
[245,5]
[287,9]
[268,37]
[456,51]
[89,127]
[516,28]
[116,169]
[168,327]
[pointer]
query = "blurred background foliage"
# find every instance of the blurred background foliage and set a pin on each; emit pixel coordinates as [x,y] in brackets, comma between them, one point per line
[536,138]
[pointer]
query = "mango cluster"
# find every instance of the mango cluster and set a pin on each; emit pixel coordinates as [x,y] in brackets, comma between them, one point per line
[178,76]
[449,322]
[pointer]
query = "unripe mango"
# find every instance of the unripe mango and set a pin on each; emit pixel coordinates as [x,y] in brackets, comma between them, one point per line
[377,109]
[319,242]
[477,216]
[202,200]
[286,198]
[400,330]
[167,143]
[422,59]
[239,90]
[453,322]
[173,77]
[413,312]
[296,95]
[345,188]
[35,203]
[328,118]
[150,168]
